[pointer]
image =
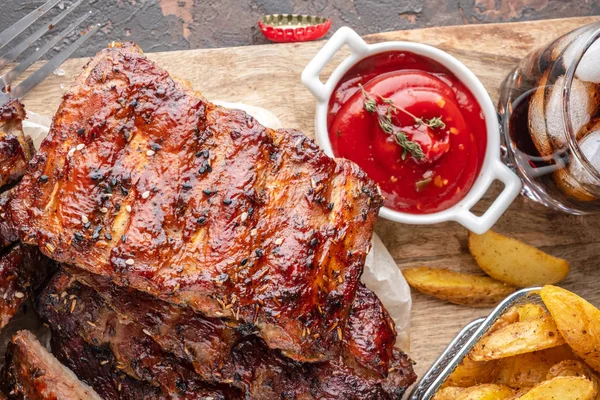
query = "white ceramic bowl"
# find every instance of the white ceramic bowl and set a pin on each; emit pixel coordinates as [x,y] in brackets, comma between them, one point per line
[492,169]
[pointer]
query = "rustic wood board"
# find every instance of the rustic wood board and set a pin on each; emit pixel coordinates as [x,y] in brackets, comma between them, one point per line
[269,76]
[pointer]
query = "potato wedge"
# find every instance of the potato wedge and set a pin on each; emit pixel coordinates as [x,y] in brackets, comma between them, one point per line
[520,392]
[471,373]
[509,317]
[578,322]
[575,368]
[480,392]
[515,263]
[457,288]
[562,388]
[528,312]
[518,338]
[529,369]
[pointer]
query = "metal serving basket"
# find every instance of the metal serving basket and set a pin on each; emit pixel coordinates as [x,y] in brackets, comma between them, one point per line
[462,344]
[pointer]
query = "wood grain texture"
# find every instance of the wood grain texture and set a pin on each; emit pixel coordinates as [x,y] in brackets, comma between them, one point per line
[269,76]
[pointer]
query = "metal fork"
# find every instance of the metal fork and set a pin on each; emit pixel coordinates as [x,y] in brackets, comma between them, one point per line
[6,92]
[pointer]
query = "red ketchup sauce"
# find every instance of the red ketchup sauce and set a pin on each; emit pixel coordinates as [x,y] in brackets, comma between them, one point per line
[451,156]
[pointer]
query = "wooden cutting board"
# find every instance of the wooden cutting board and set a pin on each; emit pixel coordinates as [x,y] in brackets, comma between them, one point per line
[269,76]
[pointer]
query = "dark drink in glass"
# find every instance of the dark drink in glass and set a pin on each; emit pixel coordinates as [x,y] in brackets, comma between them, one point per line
[550,115]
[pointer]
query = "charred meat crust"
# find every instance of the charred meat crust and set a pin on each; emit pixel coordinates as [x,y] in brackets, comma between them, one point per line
[8,234]
[146,335]
[162,191]
[16,149]
[32,373]
[89,364]
[23,269]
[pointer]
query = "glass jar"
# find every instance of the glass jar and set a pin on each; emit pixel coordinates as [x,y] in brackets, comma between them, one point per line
[550,116]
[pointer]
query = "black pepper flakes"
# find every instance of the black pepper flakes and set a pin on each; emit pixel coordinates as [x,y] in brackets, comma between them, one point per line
[78,235]
[44,178]
[181,385]
[96,233]
[108,236]
[186,186]
[80,131]
[201,220]
[87,225]
[123,238]
[124,191]
[330,206]
[258,252]
[133,103]
[227,202]
[207,192]
[155,146]
[96,175]
[313,242]
[244,261]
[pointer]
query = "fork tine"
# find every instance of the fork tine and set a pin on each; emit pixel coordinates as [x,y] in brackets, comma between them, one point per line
[11,55]
[41,74]
[10,76]
[10,33]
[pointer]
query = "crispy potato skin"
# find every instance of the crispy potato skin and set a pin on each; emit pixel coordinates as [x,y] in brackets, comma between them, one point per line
[480,392]
[575,368]
[529,369]
[518,338]
[562,388]
[471,373]
[515,263]
[536,352]
[578,322]
[457,288]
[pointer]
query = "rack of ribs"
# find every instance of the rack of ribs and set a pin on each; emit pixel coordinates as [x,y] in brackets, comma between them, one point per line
[203,255]
[16,149]
[23,269]
[173,348]
[146,182]
[32,373]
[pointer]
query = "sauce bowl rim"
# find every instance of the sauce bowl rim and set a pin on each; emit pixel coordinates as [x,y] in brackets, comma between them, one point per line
[492,168]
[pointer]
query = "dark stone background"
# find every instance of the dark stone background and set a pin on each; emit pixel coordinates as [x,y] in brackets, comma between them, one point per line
[160,25]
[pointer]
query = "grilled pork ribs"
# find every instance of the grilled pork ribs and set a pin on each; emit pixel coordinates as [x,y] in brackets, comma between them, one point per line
[16,149]
[23,268]
[150,184]
[119,319]
[203,254]
[32,373]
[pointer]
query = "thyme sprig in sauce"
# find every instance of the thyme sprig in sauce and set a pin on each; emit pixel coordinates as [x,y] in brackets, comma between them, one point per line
[385,123]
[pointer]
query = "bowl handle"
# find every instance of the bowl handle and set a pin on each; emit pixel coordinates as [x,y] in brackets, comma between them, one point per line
[310,75]
[512,188]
